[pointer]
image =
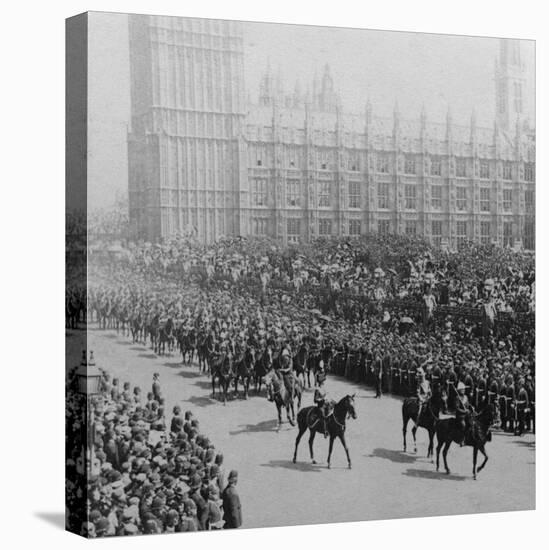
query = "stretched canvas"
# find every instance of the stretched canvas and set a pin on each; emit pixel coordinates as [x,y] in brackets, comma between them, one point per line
[300,274]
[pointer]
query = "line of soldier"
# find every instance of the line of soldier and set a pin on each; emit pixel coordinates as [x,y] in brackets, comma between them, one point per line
[514,391]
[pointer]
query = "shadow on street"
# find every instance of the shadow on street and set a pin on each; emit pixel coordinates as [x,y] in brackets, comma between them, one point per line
[299,466]
[265,426]
[399,457]
[430,474]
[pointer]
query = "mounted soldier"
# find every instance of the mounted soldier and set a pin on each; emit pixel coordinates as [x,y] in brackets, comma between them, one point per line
[323,404]
[423,392]
[467,379]
[463,411]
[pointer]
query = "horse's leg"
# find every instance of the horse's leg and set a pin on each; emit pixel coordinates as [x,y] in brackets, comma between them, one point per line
[430,449]
[414,430]
[404,426]
[475,455]
[287,406]
[311,441]
[483,451]
[302,430]
[330,448]
[213,386]
[439,446]
[236,386]
[279,411]
[344,443]
[444,453]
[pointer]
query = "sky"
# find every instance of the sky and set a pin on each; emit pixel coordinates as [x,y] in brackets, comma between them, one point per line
[414,69]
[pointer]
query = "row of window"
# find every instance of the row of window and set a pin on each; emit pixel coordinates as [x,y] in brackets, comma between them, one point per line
[294,192]
[410,167]
[384,227]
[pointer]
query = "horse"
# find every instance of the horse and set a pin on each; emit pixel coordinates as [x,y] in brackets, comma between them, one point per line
[244,370]
[300,360]
[137,327]
[310,418]
[204,351]
[165,336]
[476,435]
[311,364]
[189,342]
[186,338]
[428,419]
[223,371]
[151,329]
[262,366]
[283,395]
[72,312]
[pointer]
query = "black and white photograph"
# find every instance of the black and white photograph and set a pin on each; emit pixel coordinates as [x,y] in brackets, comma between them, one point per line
[300,274]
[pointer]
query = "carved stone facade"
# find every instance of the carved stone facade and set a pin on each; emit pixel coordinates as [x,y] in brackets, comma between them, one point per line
[295,165]
[186,148]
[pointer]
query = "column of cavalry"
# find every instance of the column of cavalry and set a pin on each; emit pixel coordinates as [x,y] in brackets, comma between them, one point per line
[289,357]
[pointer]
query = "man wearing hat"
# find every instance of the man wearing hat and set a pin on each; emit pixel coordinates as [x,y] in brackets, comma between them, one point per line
[463,411]
[521,406]
[232,510]
[423,391]
[195,484]
[157,392]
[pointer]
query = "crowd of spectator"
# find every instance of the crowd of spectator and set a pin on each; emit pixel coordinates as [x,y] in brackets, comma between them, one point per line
[133,472]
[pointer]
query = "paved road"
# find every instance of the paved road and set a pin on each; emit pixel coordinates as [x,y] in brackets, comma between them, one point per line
[384,482]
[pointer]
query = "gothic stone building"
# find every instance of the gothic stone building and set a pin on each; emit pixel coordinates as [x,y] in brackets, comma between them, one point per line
[297,166]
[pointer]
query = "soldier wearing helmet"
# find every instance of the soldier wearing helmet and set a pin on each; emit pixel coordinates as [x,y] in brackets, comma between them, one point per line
[423,391]
[323,404]
[463,411]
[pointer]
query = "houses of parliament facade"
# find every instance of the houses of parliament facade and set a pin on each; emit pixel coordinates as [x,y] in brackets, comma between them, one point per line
[296,166]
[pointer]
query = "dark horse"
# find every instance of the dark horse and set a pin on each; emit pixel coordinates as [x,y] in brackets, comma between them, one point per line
[187,345]
[222,369]
[244,370]
[428,418]
[263,364]
[309,417]
[300,360]
[284,393]
[204,351]
[476,435]
[165,335]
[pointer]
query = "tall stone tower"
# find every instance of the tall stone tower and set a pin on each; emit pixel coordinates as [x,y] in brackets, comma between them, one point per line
[186,152]
[510,85]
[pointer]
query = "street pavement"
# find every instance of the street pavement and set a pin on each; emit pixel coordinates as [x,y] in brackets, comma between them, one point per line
[384,482]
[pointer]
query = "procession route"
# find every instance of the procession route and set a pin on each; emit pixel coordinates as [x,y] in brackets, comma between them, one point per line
[384,482]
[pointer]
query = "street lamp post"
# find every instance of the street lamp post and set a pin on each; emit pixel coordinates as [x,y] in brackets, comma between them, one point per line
[89,385]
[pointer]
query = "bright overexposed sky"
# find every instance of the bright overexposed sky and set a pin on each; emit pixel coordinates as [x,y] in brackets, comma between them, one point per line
[413,68]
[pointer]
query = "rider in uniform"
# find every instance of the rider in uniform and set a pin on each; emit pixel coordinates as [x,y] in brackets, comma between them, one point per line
[463,411]
[323,404]
[285,370]
[423,392]
[522,406]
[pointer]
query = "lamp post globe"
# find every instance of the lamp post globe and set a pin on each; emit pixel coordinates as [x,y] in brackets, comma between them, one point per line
[89,377]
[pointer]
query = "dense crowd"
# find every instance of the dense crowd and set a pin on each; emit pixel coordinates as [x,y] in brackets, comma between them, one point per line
[257,294]
[491,357]
[141,474]
[373,267]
